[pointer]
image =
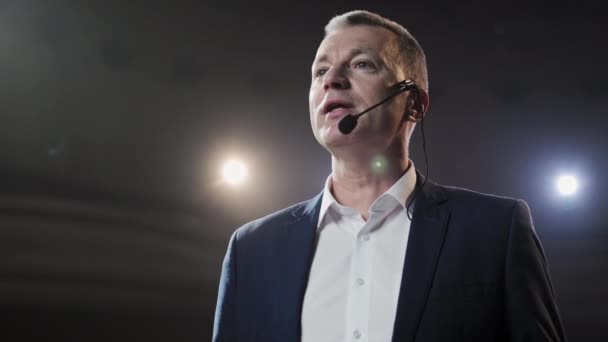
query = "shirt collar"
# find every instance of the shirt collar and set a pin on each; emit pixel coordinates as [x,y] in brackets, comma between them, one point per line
[400,191]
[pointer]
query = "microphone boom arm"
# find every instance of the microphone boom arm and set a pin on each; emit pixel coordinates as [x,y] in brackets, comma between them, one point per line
[349,122]
[401,86]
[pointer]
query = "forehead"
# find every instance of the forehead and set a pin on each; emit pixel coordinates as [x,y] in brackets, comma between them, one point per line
[361,38]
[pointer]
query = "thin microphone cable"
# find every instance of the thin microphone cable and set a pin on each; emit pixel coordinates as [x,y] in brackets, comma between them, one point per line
[426,162]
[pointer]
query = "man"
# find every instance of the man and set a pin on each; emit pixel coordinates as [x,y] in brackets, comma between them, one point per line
[349,264]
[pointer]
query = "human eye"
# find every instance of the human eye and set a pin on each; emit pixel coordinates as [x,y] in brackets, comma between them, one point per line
[320,71]
[364,64]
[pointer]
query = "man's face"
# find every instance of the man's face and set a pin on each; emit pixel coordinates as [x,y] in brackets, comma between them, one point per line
[353,70]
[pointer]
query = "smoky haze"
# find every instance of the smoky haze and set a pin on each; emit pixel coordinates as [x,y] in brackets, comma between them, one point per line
[116,116]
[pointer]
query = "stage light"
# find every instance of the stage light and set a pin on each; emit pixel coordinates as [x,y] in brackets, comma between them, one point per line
[234,172]
[567,185]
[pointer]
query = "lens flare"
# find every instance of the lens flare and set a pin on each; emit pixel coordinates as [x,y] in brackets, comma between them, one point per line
[234,172]
[379,164]
[567,185]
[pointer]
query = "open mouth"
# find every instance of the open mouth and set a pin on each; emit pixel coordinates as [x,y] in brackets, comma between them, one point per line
[332,106]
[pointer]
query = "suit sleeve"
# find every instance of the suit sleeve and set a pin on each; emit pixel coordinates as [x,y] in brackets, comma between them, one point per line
[531,308]
[224,324]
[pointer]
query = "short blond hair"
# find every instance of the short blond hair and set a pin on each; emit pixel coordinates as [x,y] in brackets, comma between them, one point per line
[412,56]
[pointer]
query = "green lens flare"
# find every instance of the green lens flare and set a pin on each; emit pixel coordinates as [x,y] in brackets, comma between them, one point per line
[379,164]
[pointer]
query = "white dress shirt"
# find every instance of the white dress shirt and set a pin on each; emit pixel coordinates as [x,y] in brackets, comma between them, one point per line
[355,276]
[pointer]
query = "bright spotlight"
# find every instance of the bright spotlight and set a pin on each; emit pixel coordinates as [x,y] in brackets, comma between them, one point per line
[234,172]
[567,185]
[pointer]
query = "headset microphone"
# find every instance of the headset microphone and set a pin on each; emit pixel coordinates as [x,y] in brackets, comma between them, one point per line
[348,123]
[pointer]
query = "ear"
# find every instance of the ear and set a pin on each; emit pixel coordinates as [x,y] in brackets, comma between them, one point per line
[418,103]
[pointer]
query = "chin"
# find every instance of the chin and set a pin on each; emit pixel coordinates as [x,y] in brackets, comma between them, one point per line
[337,140]
[332,136]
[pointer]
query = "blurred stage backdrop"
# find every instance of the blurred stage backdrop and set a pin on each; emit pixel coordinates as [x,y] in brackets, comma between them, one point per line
[117,116]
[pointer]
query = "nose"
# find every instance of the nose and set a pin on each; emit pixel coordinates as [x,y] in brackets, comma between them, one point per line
[335,79]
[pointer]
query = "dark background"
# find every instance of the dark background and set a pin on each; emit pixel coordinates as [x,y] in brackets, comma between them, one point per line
[116,116]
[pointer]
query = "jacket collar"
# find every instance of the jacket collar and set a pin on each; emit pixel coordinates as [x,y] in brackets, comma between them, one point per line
[298,237]
[427,233]
[309,210]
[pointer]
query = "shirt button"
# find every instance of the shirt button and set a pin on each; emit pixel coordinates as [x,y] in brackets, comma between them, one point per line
[360,281]
[366,237]
[357,334]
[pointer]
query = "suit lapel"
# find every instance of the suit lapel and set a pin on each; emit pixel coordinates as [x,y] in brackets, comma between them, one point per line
[300,238]
[427,232]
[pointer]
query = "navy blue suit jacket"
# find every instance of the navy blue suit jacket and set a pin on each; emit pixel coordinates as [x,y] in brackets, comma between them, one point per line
[474,271]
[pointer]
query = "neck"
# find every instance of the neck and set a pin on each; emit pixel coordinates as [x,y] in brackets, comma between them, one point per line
[358,182]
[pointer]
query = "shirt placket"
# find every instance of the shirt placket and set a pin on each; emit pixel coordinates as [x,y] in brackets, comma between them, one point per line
[359,284]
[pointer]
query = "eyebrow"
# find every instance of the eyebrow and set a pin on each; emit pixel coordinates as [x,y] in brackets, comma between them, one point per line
[351,54]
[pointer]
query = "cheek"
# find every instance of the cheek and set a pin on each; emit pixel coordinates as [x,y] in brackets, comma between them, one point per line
[388,121]
[314,99]
[313,120]
[314,95]
[397,115]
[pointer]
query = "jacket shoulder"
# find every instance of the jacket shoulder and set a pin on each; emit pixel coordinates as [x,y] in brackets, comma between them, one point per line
[462,199]
[272,222]
[488,217]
